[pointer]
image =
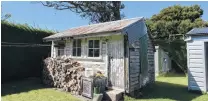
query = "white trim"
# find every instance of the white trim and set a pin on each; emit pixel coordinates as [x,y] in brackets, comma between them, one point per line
[204,65]
[89,62]
[52,49]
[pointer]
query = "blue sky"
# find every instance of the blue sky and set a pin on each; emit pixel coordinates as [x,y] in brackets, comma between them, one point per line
[39,16]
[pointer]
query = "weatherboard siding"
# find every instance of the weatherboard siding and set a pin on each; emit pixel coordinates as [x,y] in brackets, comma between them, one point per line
[134,69]
[110,46]
[196,67]
[151,63]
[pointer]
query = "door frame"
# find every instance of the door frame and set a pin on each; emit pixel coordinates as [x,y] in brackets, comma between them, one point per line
[206,64]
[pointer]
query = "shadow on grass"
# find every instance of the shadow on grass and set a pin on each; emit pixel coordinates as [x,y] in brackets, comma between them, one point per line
[172,74]
[163,90]
[25,85]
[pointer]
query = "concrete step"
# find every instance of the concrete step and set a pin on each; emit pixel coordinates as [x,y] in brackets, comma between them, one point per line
[113,95]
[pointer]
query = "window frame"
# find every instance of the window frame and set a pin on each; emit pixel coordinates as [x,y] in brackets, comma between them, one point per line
[76,42]
[59,49]
[99,57]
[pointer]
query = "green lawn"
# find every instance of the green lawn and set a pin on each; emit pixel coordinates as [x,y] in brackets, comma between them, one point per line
[171,88]
[32,90]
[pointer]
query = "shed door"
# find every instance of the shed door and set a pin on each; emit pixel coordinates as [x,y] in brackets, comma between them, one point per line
[116,64]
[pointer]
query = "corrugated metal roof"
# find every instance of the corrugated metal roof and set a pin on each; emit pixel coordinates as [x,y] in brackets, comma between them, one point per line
[96,28]
[198,31]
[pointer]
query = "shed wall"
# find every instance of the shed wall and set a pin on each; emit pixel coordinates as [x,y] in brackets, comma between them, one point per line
[135,32]
[151,62]
[111,54]
[196,66]
[140,51]
[134,69]
[162,66]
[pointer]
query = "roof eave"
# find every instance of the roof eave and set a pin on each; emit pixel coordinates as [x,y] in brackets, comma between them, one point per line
[106,33]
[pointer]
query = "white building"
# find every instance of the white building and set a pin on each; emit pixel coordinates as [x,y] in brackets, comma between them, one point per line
[162,61]
[197,59]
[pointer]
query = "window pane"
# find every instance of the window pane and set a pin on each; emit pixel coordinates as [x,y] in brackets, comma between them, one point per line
[90,45]
[74,52]
[96,52]
[61,52]
[78,42]
[90,53]
[96,44]
[78,51]
[74,43]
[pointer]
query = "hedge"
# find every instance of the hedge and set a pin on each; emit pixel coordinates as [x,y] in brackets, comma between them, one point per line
[20,61]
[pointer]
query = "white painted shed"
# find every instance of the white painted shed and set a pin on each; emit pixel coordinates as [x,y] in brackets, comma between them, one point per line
[162,61]
[121,50]
[197,59]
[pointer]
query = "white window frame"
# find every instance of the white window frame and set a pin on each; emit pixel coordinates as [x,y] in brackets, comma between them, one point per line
[60,50]
[99,57]
[76,47]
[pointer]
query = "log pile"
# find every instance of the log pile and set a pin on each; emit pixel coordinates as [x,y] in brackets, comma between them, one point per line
[64,73]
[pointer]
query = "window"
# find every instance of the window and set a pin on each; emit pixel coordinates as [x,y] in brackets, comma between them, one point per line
[93,48]
[76,47]
[60,51]
[59,46]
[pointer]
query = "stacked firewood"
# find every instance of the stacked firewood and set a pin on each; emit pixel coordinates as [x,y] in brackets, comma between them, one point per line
[64,73]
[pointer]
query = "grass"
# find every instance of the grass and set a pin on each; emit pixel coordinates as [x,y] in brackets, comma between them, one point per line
[169,88]
[33,90]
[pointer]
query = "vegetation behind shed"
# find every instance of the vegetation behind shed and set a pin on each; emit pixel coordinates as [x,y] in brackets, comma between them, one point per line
[22,51]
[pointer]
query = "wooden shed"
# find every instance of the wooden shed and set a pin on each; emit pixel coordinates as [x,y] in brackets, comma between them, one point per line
[162,61]
[197,59]
[121,50]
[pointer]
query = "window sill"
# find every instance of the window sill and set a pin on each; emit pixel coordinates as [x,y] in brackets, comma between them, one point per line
[89,59]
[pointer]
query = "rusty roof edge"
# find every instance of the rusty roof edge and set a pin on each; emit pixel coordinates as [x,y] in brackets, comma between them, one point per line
[88,34]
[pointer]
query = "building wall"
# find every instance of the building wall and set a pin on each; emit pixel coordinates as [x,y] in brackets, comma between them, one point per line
[111,54]
[196,66]
[134,69]
[162,61]
[151,60]
[141,57]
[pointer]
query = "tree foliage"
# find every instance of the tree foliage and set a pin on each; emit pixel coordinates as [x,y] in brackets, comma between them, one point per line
[175,20]
[96,11]
[5,17]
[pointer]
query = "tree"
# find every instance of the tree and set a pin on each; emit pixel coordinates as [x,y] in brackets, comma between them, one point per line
[175,20]
[5,17]
[96,11]
[169,27]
